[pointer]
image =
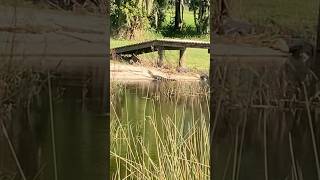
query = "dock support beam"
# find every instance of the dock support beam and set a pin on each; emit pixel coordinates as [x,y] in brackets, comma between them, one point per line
[161,56]
[181,57]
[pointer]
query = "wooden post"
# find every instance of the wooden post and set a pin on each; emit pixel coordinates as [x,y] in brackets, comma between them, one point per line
[181,57]
[161,54]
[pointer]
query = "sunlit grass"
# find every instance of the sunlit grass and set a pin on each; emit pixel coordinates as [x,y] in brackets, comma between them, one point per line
[188,18]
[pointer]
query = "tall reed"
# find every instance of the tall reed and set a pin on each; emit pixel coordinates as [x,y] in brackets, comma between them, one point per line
[166,147]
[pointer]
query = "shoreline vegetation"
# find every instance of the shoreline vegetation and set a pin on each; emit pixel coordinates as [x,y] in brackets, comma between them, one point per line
[165,143]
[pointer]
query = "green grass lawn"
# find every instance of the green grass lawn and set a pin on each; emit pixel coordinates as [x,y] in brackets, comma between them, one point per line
[188,18]
[194,58]
[297,15]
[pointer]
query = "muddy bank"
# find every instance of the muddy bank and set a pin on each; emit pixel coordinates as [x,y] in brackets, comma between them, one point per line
[126,72]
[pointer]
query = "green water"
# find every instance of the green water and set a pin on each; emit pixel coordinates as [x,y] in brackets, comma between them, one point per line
[133,104]
[80,139]
[78,149]
[248,144]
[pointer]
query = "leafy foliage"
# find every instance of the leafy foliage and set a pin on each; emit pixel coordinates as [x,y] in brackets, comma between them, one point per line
[158,15]
[201,9]
[128,18]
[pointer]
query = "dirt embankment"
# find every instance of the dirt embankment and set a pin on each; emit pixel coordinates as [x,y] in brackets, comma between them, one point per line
[126,72]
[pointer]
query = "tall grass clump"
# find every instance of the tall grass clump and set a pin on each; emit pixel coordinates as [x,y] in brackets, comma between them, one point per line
[265,108]
[19,88]
[162,145]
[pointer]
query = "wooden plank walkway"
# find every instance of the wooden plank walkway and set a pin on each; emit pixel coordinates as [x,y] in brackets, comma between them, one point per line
[220,50]
[161,45]
[164,44]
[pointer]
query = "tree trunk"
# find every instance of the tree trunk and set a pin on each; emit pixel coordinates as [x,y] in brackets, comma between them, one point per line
[222,9]
[201,16]
[178,18]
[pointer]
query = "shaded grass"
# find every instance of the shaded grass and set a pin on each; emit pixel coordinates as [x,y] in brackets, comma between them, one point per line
[188,18]
[188,30]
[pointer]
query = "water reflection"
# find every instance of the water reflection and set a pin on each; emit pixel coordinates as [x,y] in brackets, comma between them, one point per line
[135,107]
[80,139]
[262,144]
[264,126]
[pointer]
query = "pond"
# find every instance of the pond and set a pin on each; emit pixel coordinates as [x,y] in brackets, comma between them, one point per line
[76,151]
[265,144]
[159,131]
[266,123]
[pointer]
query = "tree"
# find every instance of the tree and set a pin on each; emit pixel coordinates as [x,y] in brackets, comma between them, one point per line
[178,14]
[128,18]
[158,13]
[201,12]
[221,9]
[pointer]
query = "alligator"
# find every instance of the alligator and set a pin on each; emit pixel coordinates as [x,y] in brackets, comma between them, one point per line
[204,77]
[160,78]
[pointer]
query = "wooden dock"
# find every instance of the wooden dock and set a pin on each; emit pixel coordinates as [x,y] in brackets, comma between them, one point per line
[224,51]
[160,45]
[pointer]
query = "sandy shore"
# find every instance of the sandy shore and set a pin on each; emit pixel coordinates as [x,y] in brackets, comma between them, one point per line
[126,72]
